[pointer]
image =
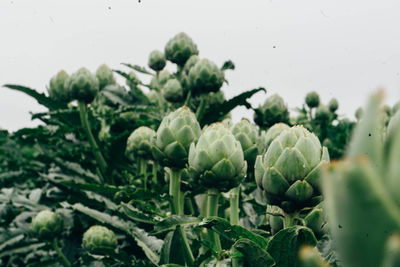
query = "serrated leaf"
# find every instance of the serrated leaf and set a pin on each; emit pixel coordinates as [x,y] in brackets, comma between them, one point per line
[254,256]
[22,249]
[284,246]
[172,244]
[137,215]
[40,98]
[173,221]
[138,68]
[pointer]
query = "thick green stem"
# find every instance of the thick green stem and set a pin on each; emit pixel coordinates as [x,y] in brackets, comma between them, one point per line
[95,148]
[154,172]
[143,171]
[200,108]
[189,205]
[234,208]
[59,253]
[177,209]
[212,210]
[188,97]
[289,219]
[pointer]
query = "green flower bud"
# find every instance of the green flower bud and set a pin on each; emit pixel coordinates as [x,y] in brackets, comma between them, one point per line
[139,143]
[288,173]
[46,225]
[154,97]
[247,134]
[82,85]
[163,77]
[217,161]
[99,240]
[312,99]
[322,114]
[205,77]
[267,137]
[174,136]
[172,91]
[190,63]
[333,105]
[105,76]
[132,81]
[272,111]
[156,60]
[359,113]
[179,49]
[57,90]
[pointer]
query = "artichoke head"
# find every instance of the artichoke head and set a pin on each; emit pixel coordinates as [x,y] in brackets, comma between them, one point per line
[322,114]
[105,76]
[156,60]
[205,77]
[272,111]
[82,85]
[247,134]
[268,136]
[217,160]
[289,172]
[99,240]
[57,90]
[312,99]
[172,91]
[179,49]
[139,143]
[46,225]
[173,138]
[333,105]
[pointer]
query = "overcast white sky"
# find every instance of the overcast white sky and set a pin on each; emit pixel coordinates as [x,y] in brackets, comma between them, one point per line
[343,49]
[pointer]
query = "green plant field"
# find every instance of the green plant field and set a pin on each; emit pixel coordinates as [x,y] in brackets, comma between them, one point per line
[157,174]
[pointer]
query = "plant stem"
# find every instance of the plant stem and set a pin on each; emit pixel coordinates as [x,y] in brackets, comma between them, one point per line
[189,204]
[177,209]
[188,97]
[143,171]
[60,254]
[234,215]
[154,172]
[289,219]
[95,148]
[212,199]
[234,202]
[200,108]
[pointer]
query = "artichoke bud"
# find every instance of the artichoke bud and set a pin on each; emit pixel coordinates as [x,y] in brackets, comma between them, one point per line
[288,173]
[217,160]
[172,91]
[174,135]
[132,81]
[156,60]
[99,240]
[268,136]
[46,225]
[154,97]
[322,114]
[190,63]
[105,76]
[82,85]
[312,99]
[57,90]
[179,49]
[139,143]
[333,105]
[359,113]
[205,77]
[272,111]
[247,134]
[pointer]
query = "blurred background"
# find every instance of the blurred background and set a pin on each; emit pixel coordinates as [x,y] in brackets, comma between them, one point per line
[342,49]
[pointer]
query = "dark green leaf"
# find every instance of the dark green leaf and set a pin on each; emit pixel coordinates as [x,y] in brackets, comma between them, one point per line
[172,244]
[138,68]
[228,65]
[173,221]
[254,256]
[137,215]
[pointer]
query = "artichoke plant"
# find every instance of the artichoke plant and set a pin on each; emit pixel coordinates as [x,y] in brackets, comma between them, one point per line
[105,76]
[362,192]
[266,137]
[179,49]
[217,160]
[172,90]
[156,60]
[46,225]
[174,135]
[82,85]
[272,111]
[247,134]
[57,90]
[99,240]
[205,77]
[312,99]
[288,173]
